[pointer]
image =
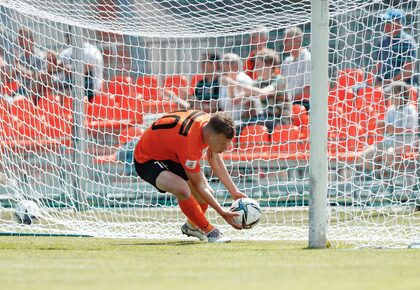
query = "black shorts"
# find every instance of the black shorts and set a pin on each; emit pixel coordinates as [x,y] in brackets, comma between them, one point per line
[150,170]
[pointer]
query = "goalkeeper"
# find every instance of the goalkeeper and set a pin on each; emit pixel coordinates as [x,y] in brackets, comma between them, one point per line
[168,156]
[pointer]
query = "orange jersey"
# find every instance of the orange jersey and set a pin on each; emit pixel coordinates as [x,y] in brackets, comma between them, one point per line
[177,136]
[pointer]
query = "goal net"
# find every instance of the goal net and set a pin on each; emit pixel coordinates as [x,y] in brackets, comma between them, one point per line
[82,80]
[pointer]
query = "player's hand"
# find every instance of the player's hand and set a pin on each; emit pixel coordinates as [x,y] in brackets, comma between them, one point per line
[238,195]
[228,217]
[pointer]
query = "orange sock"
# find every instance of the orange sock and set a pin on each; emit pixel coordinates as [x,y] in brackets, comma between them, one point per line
[192,209]
[204,207]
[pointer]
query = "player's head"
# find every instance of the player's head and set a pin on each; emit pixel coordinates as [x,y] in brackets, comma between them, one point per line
[292,39]
[219,132]
[25,39]
[210,63]
[393,20]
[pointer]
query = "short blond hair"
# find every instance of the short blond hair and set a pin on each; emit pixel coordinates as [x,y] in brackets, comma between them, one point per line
[293,31]
[269,56]
[231,59]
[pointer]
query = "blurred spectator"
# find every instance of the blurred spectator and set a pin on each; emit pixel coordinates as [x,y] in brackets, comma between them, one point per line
[394,53]
[259,39]
[296,68]
[29,62]
[52,76]
[206,92]
[237,93]
[6,47]
[399,129]
[93,67]
[276,106]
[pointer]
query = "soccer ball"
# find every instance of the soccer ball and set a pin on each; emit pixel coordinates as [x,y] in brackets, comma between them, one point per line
[250,212]
[26,211]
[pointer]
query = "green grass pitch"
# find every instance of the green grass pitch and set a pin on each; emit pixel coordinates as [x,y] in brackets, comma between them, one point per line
[87,263]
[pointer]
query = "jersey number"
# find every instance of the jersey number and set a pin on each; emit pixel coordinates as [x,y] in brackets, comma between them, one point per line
[170,121]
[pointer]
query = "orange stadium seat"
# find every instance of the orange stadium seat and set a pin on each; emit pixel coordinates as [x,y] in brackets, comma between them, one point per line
[5,120]
[300,118]
[22,106]
[374,97]
[195,79]
[147,86]
[120,86]
[25,128]
[59,119]
[298,114]
[9,88]
[285,138]
[128,134]
[131,107]
[413,95]
[153,107]
[338,96]
[193,83]
[349,77]
[351,138]
[254,138]
[175,82]
[103,114]
[336,118]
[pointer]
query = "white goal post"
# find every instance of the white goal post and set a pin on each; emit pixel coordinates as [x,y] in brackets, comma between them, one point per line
[326,137]
[318,163]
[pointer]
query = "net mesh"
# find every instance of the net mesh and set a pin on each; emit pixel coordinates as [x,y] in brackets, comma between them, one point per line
[140,59]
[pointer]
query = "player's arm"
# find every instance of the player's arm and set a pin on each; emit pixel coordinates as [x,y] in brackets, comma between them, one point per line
[203,188]
[219,169]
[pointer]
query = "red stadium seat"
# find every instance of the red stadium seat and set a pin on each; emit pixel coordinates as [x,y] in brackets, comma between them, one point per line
[131,107]
[350,138]
[374,97]
[193,83]
[9,88]
[175,82]
[254,138]
[153,107]
[339,96]
[101,107]
[121,86]
[5,120]
[285,138]
[413,95]
[148,87]
[130,133]
[59,119]
[103,114]
[22,106]
[195,79]
[298,113]
[349,77]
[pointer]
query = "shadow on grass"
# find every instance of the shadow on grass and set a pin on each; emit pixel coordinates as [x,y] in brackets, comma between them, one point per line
[162,243]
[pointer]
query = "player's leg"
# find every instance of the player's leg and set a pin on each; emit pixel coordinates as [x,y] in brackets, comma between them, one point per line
[189,228]
[212,236]
[204,205]
[170,182]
